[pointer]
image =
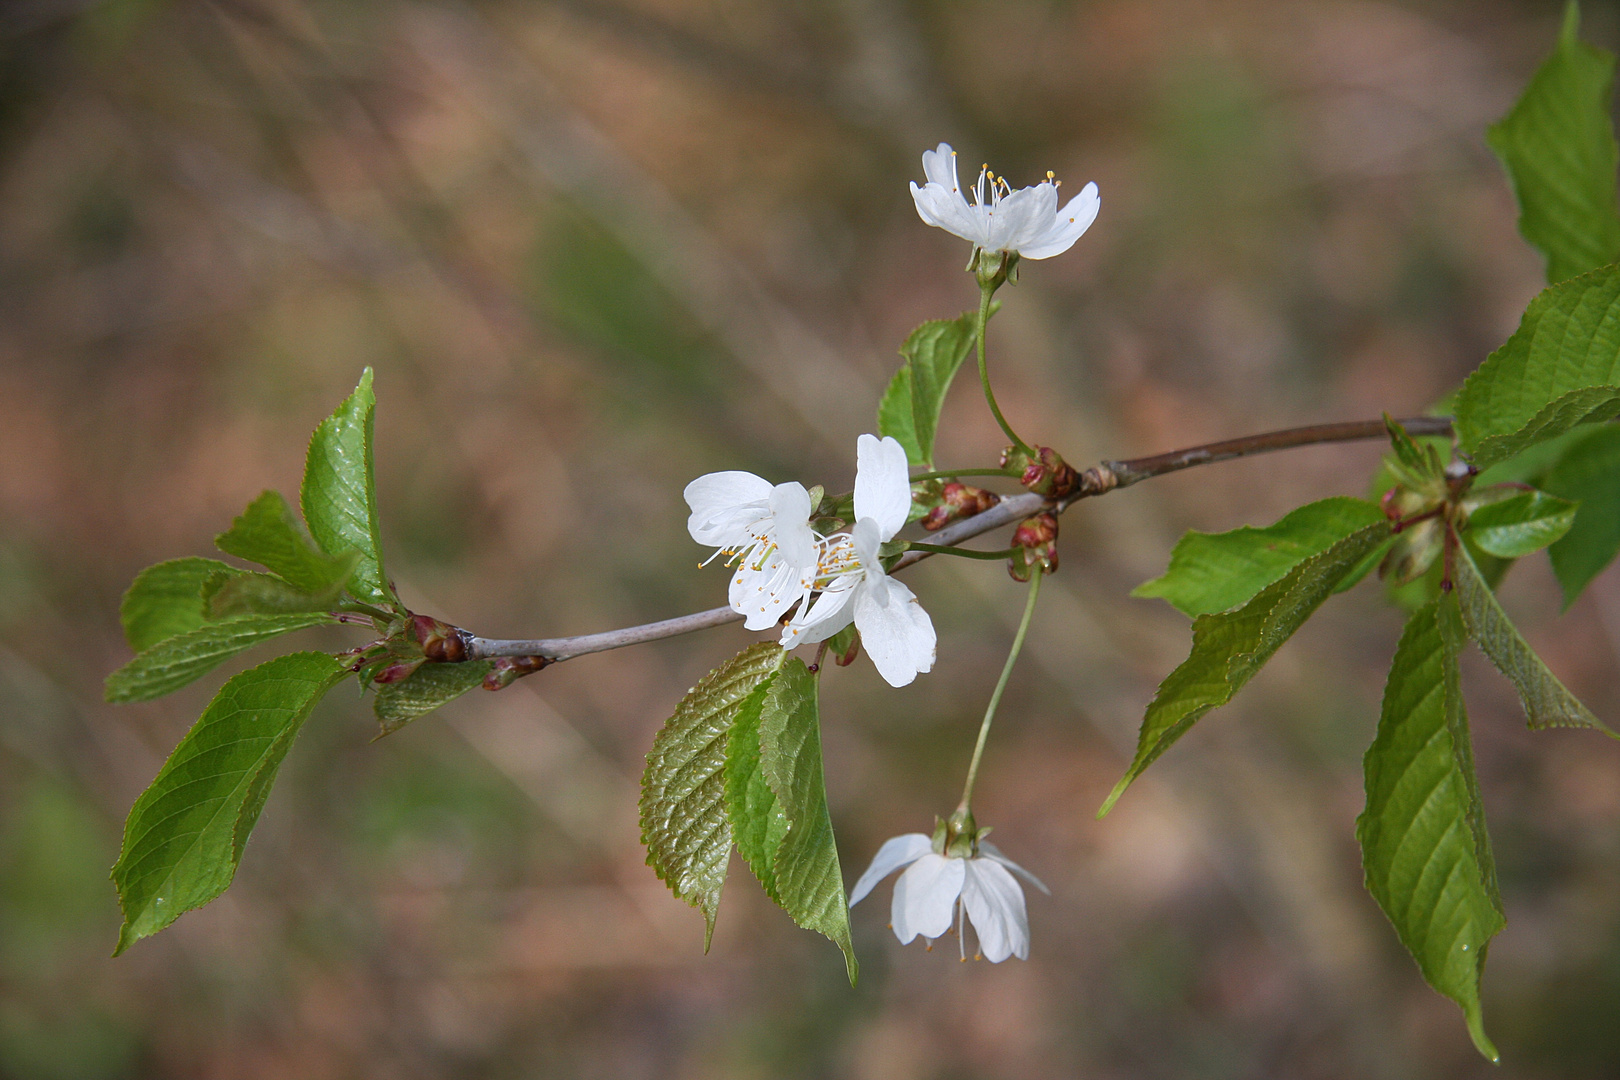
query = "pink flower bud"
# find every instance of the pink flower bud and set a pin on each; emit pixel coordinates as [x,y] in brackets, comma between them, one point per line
[509,669]
[398,671]
[958,501]
[1036,541]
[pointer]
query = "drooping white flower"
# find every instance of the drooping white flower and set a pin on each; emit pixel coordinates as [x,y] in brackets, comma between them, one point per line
[1026,221]
[895,630]
[765,531]
[938,889]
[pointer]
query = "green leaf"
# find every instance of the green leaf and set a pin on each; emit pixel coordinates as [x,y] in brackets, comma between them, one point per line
[428,687]
[1212,572]
[339,495]
[1416,462]
[1229,648]
[933,353]
[1558,147]
[1365,566]
[684,823]
[1547,702]
[1561,368]
[177,661]
[166,600]
[895,417]
[1522,525]
[809,881]
[267,594]
[1423,839]
[758,822]
[1530,466]
[270,534]
[1588,473]
[185,833]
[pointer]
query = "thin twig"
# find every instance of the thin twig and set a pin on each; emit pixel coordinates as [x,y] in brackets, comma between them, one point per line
[1097,480]
[1127,473]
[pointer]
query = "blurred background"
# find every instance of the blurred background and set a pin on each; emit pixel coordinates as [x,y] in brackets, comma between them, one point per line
[594,248]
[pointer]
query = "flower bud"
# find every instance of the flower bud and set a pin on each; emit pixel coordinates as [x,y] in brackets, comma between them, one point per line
[507,670]
[958,500]
[1044,472]
[1400,503]
[1036,544]
[398,671]
[439,640]
[1414,551]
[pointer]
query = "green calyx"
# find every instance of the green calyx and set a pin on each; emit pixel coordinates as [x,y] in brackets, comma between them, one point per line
[993,269]
[957,837]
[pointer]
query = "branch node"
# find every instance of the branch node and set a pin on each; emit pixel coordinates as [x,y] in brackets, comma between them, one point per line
[1100,479]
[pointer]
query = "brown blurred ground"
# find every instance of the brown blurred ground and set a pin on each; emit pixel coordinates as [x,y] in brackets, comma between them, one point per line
[594,249]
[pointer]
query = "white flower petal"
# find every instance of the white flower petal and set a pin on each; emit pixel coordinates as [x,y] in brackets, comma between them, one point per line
[933,205]
[896,852]
[882,483]
[895,630]
[831,612]
[995,906]
[1069,225]
[790,511]
[1033,215]
[939,165]
[990,851]
[723,505]
[925,897]
[865,539]
[1015,217]
[948,210]
[762,591]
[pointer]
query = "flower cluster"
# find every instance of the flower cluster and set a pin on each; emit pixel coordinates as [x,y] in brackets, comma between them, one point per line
[814,583]
[781,562]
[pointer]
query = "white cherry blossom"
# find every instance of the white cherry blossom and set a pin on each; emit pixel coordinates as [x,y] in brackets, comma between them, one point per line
[895,630]
[1026,221]
[765,531]
[938,889]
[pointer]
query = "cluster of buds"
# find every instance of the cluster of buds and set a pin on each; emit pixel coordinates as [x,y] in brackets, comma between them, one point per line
[1044,472]
[1034,546]
[957,500]
[440,642]
[419,640]
[1423,512]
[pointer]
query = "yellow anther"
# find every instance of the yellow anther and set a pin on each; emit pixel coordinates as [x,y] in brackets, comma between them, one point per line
[1050,175]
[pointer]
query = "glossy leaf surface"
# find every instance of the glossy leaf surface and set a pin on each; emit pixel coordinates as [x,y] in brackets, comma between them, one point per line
[1229,648]
[1558,147]
[177,661]
[1212,572]
[185,834]
[1423,840]
[339,493]
[684,821]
